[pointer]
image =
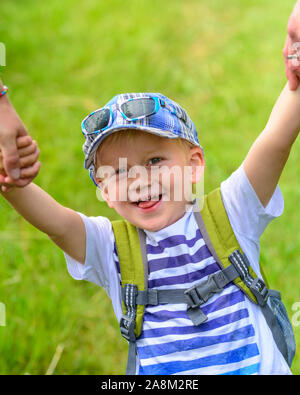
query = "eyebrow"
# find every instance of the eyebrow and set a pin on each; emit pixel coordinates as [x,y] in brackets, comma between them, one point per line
[147,154]
[158,151]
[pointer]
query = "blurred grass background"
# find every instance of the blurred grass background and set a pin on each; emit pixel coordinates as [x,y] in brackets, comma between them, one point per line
[222,61]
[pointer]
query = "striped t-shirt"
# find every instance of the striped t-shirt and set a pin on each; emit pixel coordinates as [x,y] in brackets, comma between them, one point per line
[235,339]
[169,343]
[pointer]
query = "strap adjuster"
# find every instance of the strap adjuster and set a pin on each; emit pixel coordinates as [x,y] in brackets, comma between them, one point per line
[260,291]
[127,322]
[194,299]
[127,327]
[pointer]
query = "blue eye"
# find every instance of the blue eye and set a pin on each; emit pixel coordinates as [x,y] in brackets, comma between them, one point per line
[120,171]
[154,160]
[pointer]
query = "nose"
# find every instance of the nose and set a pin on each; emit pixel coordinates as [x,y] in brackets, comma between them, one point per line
[142,186]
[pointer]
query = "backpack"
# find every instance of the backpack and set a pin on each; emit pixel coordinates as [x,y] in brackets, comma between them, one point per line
[234,266]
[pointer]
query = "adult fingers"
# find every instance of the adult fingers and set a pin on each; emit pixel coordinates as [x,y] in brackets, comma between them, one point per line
[21,142]
[293,80]
[285,54]
[292,66]
[11,160]
[26,176]
[11,127]
[25,145]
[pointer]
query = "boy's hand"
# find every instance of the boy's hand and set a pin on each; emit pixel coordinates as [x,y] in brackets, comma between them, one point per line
[28,153]
[292,46]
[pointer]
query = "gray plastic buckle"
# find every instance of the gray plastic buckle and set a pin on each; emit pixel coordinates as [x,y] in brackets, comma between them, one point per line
[127,328]
[193,297]
[194,301]
[200,293]
[196,315]
[260,291]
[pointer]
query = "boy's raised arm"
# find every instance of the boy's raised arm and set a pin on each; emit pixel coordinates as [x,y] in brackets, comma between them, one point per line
[269,153]
[63,225]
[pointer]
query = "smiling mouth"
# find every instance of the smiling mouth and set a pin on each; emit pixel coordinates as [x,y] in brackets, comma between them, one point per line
[149,202]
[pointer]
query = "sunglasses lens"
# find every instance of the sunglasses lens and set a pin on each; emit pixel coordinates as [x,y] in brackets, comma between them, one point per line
[97,121]
[138,108]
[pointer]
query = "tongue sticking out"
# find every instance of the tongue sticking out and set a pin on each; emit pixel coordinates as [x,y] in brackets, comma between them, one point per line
[147,204]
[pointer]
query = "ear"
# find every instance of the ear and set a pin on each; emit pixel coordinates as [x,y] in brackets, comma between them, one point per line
[197,163]
[102,191]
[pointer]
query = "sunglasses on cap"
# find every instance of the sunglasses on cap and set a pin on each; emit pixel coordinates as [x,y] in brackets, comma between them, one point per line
[131,110]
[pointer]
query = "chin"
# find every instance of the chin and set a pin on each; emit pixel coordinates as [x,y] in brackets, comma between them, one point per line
[154,228]
[151,226]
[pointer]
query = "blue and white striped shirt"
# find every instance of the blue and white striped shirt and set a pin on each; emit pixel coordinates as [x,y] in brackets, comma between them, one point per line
[169,343]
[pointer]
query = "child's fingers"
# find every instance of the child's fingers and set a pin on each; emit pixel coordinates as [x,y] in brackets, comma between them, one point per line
[30,149]
[30,172]
[23,141]
[29,159]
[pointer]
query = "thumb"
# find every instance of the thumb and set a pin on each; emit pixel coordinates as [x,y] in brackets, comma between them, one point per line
[11,160]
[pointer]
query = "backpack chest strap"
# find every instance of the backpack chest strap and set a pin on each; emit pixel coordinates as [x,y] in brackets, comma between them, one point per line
[196,295]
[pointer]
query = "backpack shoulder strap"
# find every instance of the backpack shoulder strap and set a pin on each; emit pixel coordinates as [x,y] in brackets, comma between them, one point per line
[132,262]
[219,236]
[227,250]
[131,248]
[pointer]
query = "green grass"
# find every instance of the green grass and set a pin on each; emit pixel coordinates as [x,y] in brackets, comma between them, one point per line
[221,60]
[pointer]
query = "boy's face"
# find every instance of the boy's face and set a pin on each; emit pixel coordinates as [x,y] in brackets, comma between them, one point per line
[148,167]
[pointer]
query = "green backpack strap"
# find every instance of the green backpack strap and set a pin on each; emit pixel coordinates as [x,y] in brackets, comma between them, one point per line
[219,236]
[213,220]
[131,263]
[134,277]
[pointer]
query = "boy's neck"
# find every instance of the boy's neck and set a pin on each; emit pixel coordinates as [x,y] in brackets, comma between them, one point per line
[187,210]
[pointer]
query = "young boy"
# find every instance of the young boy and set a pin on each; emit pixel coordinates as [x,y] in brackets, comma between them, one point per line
[150,130]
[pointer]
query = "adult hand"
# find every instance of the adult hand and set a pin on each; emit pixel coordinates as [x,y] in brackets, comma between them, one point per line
[292,46]
[28,152]
[11,127]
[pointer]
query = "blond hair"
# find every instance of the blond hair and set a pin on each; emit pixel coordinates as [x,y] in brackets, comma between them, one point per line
[130,134]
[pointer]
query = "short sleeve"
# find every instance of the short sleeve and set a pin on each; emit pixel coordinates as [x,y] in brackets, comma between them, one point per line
[99,264]
[247,215]
[101,261]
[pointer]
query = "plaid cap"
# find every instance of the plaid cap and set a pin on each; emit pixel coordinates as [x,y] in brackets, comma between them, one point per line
[171,121]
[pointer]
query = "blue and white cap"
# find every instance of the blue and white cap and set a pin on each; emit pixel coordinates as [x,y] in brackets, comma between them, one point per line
[170,121]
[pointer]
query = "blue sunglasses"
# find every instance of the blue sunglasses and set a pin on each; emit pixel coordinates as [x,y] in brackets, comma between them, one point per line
[131,110]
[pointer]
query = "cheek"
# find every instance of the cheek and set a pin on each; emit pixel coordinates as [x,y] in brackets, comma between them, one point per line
[179,182]
[117,190]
